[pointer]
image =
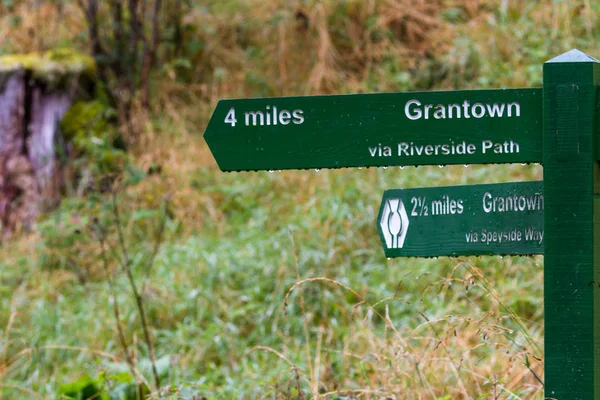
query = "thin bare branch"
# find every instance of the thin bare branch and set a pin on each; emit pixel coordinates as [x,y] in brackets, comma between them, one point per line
[157,244]
[115,302]
[116,8]
[126,264]
[150,55]
[22,389]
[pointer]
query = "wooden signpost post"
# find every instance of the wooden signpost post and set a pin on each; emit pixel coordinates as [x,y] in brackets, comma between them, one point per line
[558,125]
[572,225]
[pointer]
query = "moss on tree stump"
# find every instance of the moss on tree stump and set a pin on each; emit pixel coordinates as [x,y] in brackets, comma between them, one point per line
[35,92]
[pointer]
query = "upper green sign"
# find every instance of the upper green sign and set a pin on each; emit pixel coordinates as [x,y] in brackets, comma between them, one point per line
[362,130]
[501,218]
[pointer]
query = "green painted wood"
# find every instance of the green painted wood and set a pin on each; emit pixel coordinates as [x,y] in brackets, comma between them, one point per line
[491,219]
[571,252]
[384,129]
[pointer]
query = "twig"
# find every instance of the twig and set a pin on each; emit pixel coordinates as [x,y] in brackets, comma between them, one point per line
[528,365]
[126,263]
[157,244]
[25,390]
[9,325]
[149,55]
[117,13]
[116,310]
[302,306]
[271,350]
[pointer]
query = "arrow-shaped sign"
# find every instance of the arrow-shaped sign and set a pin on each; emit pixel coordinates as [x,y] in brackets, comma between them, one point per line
[501,218]
[387,129]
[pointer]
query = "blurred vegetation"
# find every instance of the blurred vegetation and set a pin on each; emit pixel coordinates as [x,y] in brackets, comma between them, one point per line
[51,67]
[228,250]
[96,148]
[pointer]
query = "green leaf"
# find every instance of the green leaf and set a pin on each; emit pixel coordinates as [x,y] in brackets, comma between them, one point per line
[83,388]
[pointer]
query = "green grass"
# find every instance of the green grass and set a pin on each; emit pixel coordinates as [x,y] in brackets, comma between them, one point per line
[216,294]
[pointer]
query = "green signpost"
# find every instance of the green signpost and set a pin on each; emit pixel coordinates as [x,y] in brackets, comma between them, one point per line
[572,223]
[557,125]
[502,218]
[385,129]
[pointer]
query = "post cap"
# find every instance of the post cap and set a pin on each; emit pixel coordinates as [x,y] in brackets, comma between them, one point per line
[573,56]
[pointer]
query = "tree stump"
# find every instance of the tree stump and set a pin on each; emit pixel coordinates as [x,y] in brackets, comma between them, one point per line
[35,92]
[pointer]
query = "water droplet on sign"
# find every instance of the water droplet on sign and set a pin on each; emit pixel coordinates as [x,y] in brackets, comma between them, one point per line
[402,167]
[441,166]
[317,169]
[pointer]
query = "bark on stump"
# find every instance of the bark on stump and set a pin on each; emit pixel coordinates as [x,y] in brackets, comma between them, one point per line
[35,92]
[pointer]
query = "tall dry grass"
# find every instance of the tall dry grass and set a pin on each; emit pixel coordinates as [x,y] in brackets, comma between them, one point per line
[488,353]
[36,26]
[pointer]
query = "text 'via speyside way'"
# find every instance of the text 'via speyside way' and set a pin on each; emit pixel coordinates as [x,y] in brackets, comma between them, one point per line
[479,219]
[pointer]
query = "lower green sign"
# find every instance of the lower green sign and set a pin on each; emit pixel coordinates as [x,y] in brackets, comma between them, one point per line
[493,219]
